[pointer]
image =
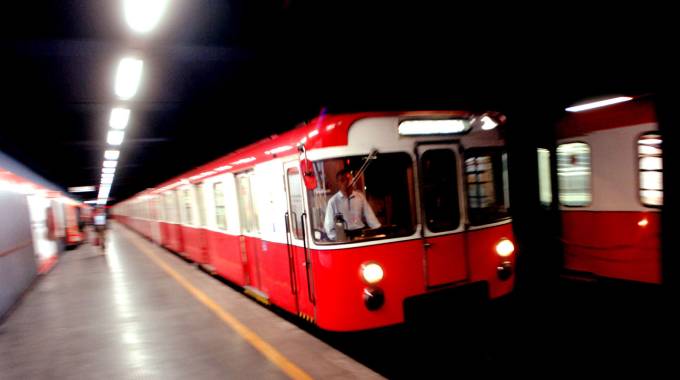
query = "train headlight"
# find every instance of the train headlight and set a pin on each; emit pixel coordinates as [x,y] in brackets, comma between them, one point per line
[505,248]
[371,273]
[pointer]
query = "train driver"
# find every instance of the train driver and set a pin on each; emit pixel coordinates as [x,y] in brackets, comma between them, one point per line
[348,212]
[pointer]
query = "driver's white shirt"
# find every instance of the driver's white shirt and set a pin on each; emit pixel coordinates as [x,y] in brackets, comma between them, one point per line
[355,210]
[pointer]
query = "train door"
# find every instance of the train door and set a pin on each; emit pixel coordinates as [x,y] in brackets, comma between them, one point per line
[442,216]
[302,284]
[250,229]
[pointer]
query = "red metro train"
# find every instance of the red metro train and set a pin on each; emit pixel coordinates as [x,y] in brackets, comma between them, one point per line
[427,210]
[610,190]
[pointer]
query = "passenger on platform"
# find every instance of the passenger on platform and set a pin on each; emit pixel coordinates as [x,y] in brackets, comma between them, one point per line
[348,212]
[100,226]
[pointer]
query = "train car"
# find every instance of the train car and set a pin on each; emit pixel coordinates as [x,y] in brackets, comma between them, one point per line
[610,190]
[349,221]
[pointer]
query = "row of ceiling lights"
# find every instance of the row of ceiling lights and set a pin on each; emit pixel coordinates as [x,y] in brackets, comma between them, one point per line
[141,16]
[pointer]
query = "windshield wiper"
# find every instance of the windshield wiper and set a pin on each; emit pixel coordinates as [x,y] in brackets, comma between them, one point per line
[371,156]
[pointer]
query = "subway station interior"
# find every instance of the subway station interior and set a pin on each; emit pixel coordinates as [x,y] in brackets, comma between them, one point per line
[219,189]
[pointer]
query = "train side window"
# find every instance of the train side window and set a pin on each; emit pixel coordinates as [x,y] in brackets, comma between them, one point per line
[220,208]
[486,172]
[200,204]
[650,167]
[247,210]
[440,186]
[544,181]
[169,210]
[186,198]
[573,174]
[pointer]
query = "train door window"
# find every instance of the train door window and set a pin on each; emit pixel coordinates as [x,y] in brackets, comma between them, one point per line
[381,204]
[186,199]
[297,207]
[440,189]
[200,204]
[573,174]
[248,214]
[220,209]
[486,172]
[651,169]
[544,181]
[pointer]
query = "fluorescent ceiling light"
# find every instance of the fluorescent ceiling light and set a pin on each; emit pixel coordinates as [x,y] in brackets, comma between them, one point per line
[110,164]
[115,137]
[119,118]
[128,76]
[107,180]
[81,189]
[598,104]
[432,127]
[107,175]
[143,15]
[112,154]
[108,170]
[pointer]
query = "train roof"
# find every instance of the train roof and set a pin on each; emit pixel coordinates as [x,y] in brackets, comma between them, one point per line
[323,131]
[636,111]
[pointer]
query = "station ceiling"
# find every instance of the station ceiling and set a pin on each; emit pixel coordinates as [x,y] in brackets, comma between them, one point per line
[219,75]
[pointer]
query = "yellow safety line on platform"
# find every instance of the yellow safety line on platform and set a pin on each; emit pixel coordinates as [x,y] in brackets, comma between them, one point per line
[265,348]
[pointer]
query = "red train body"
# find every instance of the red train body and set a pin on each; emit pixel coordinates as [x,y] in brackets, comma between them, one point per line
[258,216]
[609,170]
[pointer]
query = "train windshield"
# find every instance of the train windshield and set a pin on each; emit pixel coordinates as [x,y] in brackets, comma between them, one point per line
[363,198]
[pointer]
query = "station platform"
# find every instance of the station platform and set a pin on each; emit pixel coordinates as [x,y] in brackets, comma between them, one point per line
[140,312]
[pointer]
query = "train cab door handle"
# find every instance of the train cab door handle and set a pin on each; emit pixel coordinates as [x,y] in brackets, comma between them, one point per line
[427,245]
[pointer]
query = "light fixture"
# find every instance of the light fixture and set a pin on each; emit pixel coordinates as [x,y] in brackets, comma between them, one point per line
[143,15]
[128,76]
[432,127]
[110,164]
[107,175]
[111,154]
[108,170]
[115,137]
[106,180]
[488,123]
[119,118]
[598,104]
[81,189]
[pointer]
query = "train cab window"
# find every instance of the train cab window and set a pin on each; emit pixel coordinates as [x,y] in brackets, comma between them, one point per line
[361,198]
[440,189]
[486,171]
[573,174]
[651,169]
[220,209]
[544,181]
